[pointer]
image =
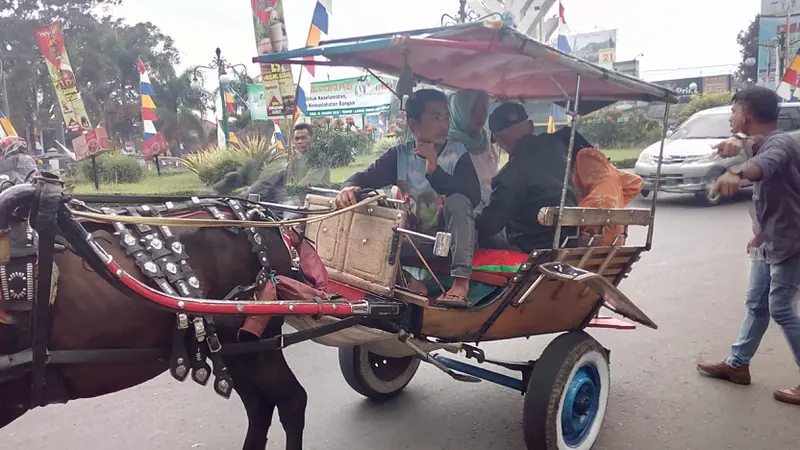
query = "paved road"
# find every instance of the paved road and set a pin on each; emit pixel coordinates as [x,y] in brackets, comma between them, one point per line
[692,284]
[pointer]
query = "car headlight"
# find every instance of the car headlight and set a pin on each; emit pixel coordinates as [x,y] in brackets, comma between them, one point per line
[646,158]
[700,159]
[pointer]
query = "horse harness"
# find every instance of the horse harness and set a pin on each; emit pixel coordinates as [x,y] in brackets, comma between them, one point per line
[162,258]
[28,281]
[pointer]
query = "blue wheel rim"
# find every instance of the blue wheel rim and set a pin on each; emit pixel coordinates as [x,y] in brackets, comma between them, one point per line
[581,404]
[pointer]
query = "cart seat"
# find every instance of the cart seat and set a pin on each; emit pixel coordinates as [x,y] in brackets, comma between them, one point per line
[492,267]
[495,267]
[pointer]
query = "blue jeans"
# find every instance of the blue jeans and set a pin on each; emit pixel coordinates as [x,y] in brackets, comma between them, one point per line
[772,293]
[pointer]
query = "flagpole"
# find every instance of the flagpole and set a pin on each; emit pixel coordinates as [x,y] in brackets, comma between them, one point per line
[155,157]
[291,122]
[296,91]
[141,107]
[300,76]
[322,4]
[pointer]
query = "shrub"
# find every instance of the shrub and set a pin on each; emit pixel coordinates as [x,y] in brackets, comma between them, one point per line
[383,144]
[399,128]
[212,164]
[629,163]
[212,173]
[703,101]
[113,167]
[609,128]
[336,144]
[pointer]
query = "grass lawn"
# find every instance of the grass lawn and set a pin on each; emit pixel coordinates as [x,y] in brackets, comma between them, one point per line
[340,174]
[186,182]
[172,183]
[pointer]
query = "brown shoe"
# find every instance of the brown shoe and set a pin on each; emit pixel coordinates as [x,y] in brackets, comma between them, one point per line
[723,371]
[790,396]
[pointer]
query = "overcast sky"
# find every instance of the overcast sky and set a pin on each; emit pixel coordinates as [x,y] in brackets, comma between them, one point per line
[671,34]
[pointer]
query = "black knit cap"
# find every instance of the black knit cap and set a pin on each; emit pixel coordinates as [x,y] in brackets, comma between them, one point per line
[505,116]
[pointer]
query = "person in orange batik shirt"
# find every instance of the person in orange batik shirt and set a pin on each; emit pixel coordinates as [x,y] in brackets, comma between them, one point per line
[599,184]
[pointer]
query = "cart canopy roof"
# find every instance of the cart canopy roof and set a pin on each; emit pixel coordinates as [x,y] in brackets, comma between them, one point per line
[486,55]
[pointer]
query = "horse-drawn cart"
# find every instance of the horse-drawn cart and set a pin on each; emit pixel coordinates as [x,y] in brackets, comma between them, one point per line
[555,290]
[382,329]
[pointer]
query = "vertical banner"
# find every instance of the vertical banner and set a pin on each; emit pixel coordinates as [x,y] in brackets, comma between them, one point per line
[270,32]
[257,102]
[154,142]
[51,41]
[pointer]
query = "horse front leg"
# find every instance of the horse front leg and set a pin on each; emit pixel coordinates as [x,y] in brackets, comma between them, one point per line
[278,383]
[292,412]
[14,400]
[259,407]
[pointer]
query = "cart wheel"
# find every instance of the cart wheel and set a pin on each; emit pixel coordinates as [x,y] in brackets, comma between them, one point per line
[374,376]
[567,394]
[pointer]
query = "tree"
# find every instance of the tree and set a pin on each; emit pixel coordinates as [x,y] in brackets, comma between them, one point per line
[31,97]
[104,53]
[180,110]
[748,41]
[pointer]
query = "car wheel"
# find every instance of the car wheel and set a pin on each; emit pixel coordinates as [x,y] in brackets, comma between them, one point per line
[645,193]
[708,198]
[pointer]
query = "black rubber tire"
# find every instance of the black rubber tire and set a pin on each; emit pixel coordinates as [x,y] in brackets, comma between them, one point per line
[707,199]
[541,421]
[373,376]
[645,193]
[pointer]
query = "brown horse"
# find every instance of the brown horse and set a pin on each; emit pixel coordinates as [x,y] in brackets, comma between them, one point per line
[89,313]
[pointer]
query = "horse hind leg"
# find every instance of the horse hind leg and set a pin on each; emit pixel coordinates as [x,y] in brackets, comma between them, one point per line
[258,406]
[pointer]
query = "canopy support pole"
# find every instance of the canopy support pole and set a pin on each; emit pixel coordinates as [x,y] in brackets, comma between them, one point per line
[658,178]
[380,80]
[568,171]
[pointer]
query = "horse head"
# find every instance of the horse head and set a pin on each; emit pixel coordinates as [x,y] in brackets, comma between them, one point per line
[269,189]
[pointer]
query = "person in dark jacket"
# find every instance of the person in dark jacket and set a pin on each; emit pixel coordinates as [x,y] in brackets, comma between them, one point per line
[532,179]
[438,176]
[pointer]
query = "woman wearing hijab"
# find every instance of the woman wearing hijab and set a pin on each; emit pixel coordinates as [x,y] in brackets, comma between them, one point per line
[469,110]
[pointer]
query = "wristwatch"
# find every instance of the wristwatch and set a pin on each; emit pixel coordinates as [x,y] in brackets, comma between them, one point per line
[736,169]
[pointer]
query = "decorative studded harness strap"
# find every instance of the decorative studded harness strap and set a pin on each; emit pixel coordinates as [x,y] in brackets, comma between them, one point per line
[256,241]
[161,257]
[17,278]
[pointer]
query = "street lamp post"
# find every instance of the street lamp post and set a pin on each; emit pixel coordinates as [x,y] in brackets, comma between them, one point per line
[5,91]
[219,64]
